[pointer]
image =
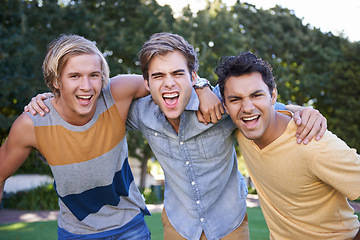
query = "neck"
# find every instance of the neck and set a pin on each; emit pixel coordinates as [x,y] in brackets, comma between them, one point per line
[175,123]
[71,118]
[276,128]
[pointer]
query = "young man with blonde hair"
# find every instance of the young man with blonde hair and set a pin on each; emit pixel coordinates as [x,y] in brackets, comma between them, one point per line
[98,197]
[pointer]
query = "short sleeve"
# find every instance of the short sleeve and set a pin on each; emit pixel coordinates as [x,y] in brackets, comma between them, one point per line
[132,122]
[338,165]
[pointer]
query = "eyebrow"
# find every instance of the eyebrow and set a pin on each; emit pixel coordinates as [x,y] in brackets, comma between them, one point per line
[173,72]
[251,94]
[74,73]
[256,92]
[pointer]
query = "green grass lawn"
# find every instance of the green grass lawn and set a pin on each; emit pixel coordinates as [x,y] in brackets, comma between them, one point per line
[47,230]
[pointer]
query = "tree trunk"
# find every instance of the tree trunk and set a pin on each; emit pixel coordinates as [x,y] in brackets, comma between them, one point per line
[143,174]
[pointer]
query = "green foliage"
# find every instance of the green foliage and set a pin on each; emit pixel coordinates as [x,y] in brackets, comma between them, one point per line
[40,198]
[34,165]
[252,190]
[154,195]
[311,67]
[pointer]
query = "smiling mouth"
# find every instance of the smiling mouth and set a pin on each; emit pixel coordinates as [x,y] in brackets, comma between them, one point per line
[250,120]
[84,99]
[171,99]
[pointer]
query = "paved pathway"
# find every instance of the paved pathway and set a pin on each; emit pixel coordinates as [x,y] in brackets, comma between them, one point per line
[13,216]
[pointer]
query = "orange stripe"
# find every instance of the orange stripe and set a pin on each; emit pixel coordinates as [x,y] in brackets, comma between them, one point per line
[61,146]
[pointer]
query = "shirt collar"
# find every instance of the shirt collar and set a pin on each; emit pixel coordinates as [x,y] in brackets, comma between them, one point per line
[194,102]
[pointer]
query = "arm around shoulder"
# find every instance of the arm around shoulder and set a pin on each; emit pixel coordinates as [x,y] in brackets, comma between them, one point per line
[128,86]
[17,147]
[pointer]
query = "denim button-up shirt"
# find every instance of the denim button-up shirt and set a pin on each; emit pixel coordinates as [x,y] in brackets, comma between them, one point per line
[204,190]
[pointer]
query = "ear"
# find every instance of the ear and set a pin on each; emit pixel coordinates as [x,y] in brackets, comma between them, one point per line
[56,85]
[194,77]
[146,83]
[274,96]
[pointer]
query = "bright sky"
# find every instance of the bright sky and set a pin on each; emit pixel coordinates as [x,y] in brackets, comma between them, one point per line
[328,15]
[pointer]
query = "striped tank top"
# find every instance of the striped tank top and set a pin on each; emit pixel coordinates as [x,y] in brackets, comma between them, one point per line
[92,176]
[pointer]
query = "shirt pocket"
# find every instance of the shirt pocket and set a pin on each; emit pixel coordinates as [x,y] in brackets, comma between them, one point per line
[159,143]
[212,143]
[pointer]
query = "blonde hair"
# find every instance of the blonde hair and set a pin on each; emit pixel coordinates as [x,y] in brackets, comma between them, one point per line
[58,53]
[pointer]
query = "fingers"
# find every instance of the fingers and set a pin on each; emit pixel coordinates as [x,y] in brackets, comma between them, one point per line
[222,110]
[216,113]
[211,115]
[37,105]
[312,124]
[322,130]
[201,118]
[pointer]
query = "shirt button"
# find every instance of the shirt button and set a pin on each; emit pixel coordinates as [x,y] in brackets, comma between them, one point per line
[193,183]
[181,143]
[187,163]
[198,202]
[202,219]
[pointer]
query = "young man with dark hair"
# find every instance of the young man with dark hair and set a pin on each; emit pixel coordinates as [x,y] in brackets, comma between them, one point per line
[303,191]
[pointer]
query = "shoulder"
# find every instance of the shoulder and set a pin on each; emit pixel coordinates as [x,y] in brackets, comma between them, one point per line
[23,121]
[332,143]
[22,130]
[144,106]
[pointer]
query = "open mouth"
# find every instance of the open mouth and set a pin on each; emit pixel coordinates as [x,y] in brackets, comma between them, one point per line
[171,99]
[84,99]
[250,120]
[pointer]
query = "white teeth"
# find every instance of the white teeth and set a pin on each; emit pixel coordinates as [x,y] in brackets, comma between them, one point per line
[84,97]
[250,118]
[170,95]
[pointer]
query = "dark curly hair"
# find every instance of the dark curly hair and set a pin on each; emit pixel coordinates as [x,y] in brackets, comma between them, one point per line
[243,64]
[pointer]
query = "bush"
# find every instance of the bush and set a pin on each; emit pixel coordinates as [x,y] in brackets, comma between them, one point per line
[34,165]
[153,196]
[40,198]
[252,190]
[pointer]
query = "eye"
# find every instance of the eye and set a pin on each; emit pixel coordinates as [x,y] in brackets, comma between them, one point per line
[95,75]
[179,74]
[258,95]
[234,100]
[74,76]
[157,76]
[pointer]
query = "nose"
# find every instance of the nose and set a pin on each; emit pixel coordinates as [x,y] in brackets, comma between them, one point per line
[169,82]
[247,105]
[85,83]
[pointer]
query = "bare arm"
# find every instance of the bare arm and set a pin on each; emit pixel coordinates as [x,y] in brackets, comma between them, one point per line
[16,149]
[129,86]
[310,123]
[124,88]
